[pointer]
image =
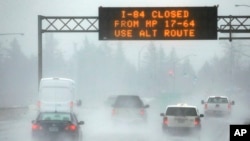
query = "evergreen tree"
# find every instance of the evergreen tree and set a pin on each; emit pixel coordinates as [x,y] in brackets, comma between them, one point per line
[54,64]
[16,76]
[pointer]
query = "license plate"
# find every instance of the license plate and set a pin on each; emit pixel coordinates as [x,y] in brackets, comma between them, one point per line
[181,120]
[53,129]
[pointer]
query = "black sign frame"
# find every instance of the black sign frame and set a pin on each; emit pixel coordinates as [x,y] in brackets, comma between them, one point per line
[163,23]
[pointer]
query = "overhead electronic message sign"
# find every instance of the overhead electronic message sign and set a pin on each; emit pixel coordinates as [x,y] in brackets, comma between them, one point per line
[157,23]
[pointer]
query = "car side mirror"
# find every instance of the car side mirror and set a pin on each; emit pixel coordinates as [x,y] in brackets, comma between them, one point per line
[33,121]
[79,102]
[162,114]
[146,106]
[202,101]
[201,115]
[233,102]
[80,122]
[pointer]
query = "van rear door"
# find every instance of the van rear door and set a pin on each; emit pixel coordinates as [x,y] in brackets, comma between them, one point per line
[56,98]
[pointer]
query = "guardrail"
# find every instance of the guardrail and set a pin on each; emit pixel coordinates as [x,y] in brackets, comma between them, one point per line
[14,107]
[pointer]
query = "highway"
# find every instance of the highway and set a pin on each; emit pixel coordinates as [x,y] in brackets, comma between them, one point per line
[15,125]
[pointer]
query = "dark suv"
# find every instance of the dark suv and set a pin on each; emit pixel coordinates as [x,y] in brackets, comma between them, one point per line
[129,109]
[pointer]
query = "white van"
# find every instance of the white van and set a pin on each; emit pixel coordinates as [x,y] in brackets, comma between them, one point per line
[56,94]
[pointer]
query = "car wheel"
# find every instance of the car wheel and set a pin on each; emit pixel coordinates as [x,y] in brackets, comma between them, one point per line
[80,138]
[198,138]
[206,114]
[34,139]
[165,131]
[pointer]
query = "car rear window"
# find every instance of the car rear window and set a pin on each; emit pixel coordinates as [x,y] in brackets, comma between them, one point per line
[217,100]
[128,102]
[181,111]
[55,116]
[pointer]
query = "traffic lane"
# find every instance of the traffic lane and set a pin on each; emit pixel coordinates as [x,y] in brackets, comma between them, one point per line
[12,113]
[98,126]
[18,130]
[98,131]
[15,124]
[215,128]
[10,116]
[119,134]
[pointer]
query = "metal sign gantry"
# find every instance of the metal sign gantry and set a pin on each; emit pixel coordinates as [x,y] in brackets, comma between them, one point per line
[234,24]
[225,24]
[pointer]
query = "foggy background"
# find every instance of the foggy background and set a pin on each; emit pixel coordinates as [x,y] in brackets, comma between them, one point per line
[105,67]
[101,70]
[161,72]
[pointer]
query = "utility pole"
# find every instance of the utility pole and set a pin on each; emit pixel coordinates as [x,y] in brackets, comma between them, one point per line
[40,55]
[231,64]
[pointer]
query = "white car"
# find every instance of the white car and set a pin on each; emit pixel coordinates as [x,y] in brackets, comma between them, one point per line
[217,105]
[182,119]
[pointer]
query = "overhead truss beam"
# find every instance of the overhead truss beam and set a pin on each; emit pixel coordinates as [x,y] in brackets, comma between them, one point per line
[226,24]
[69,24]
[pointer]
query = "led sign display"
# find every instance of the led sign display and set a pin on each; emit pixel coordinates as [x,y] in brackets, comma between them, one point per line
[157,23]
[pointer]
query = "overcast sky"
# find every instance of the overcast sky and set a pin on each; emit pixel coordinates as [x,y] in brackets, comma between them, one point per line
[20,16]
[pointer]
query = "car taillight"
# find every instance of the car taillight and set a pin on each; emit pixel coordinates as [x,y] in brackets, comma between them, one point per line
[114,112]
[142,111]
[197,121]
[36,126]
[165,120]
[229,106]
[205,105]
[71,127]
[38,104]
[71,104]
